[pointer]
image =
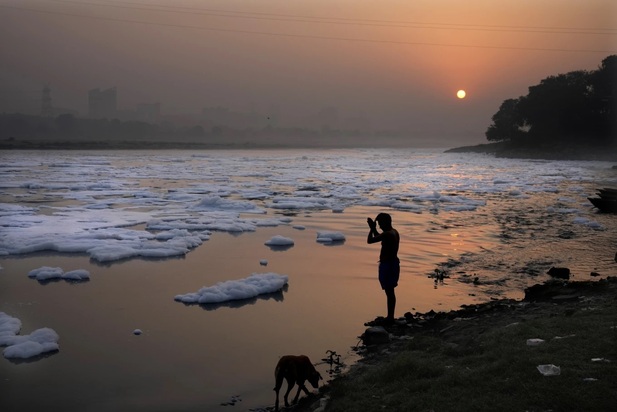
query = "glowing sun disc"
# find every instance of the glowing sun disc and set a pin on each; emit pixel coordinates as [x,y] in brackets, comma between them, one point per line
[461,94]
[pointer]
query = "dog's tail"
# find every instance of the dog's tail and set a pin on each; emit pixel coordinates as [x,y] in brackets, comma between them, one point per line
[279,373]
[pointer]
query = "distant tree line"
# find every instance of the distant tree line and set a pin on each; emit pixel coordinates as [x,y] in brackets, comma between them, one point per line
[578,107]
[22,130]
[67,126]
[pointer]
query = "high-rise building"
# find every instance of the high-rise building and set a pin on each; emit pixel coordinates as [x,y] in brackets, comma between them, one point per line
[102,103]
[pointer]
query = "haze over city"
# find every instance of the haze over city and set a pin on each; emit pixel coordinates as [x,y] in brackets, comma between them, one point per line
[393,65]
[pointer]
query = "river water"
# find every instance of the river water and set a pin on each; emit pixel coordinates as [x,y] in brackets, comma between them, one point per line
[494,225]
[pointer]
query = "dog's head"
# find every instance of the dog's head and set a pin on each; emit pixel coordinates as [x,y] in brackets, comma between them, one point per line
[314,378]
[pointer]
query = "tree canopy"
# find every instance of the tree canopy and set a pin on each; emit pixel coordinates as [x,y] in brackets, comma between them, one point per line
[577,107]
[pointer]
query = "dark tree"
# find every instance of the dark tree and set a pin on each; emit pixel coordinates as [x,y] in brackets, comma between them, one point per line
[507,124]
[576,107]
[557,108]
[603,99]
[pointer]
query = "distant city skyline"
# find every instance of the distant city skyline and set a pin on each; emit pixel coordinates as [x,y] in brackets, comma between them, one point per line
[103,103]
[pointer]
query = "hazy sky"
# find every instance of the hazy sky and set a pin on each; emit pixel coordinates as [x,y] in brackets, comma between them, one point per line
[399,62]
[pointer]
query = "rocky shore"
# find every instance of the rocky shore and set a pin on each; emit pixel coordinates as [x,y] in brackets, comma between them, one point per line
[558,301]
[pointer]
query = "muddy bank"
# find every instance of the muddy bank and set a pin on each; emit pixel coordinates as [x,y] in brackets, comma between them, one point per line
[462,329]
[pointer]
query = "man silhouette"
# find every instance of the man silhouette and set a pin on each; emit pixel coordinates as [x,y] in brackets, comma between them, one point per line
[389,264]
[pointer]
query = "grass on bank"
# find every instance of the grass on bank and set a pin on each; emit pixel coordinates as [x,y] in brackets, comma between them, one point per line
[496,370]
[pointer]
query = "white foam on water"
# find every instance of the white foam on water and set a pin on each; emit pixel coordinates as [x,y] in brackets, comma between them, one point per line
[250,287]
[115,217]
[25,346]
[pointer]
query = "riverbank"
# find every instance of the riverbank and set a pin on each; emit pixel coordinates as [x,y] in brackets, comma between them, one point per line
[485,357]
[498,149]
[563,152]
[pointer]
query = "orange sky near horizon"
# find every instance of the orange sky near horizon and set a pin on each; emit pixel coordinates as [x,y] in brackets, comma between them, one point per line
[399,63]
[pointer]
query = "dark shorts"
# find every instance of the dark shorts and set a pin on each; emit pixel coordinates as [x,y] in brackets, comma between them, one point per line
[389,273]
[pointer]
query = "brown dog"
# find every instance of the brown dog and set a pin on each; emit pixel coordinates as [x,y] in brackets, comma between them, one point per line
[296,370]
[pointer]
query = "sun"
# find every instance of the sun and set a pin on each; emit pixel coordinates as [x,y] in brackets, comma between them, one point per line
[461,94]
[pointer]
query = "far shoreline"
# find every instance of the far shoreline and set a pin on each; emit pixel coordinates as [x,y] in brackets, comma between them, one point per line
[8,145]
[572,152]
[497,149]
